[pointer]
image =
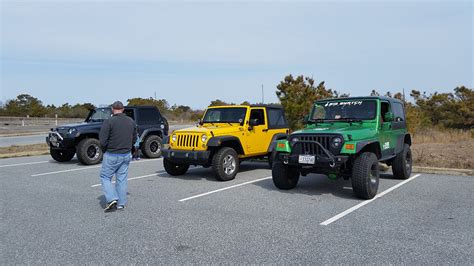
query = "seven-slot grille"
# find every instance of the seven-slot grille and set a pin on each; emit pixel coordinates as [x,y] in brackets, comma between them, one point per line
[312,148]
[187,140]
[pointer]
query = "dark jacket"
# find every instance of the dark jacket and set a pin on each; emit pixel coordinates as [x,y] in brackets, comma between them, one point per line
[118,134]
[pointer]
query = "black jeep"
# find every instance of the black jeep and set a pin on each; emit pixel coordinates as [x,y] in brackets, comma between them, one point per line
[83,139]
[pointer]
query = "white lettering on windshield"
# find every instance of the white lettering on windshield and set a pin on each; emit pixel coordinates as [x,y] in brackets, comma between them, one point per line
[353,103]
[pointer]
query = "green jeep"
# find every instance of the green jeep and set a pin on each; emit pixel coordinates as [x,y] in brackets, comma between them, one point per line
[347,137]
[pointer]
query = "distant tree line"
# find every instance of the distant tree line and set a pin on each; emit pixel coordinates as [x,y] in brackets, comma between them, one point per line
[296,95]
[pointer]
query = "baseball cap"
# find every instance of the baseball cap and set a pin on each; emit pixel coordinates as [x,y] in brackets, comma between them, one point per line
[118,105]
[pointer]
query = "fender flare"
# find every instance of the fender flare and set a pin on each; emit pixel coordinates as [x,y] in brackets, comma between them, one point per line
[362,144]
[147,132]
[275,138]
[217,142]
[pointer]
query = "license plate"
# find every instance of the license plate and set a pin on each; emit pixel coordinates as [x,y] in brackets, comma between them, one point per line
[307,159]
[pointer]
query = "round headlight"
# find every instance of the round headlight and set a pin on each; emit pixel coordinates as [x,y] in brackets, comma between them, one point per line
[204,138]
[174,138]
[71,130]
[336,142]
[293,140]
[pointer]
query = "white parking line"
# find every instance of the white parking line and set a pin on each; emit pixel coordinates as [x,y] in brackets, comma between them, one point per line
[346,212]
[20,164]
[226,188]
[90,167]
[134,178]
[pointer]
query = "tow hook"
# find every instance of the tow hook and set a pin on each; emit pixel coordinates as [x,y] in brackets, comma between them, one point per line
[332,164]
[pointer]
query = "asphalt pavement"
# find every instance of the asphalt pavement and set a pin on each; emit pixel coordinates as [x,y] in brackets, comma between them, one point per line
[51,213]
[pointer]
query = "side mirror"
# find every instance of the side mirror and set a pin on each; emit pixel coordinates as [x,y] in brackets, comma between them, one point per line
[388,117]
[241,122]
[306,118]
[200,122]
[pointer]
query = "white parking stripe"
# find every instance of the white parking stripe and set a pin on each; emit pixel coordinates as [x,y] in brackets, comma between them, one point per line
[90,167]
[20,164]
[226,188]
[134,178]
[346,212]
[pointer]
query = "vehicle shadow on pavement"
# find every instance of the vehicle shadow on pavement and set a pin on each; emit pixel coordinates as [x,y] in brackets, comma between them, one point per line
[316,185]
[201,173]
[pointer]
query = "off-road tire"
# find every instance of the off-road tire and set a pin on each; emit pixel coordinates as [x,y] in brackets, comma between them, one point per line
[284,176]
[271,158]
[365,175]
[218,167]
[151,147]
[175,169]
[89,151]
[402,164]
[62,155]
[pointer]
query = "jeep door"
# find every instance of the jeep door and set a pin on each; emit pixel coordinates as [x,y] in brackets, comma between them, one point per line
[388,140]
[257,135]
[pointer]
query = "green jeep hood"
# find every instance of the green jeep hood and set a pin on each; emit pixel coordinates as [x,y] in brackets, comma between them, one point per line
[356,130]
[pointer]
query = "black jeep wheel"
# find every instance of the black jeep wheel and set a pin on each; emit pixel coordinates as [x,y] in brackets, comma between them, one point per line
[365,175]
[89,151]
[402,164]
[151,147]
[284,176]
[62,155]
[225,164]
[175,169]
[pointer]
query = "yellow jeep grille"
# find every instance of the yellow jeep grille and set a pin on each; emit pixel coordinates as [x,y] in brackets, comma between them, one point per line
[187,141]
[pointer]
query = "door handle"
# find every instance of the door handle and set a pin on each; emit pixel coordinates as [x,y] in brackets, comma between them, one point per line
[265,130]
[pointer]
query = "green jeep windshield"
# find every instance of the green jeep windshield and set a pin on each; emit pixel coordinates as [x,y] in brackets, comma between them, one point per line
[99,114]
[344,110]
[224,115]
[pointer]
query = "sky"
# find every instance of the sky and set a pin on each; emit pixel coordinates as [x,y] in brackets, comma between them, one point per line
[192,52]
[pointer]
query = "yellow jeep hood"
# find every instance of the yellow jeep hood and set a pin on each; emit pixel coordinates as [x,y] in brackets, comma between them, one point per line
[217,129]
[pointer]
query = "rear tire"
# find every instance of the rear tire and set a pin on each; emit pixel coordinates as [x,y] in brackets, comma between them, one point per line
[175,169]
[365,175]
[89,151]
[402,164]
[151,147]
[225,164]
[284,177]
[62,155]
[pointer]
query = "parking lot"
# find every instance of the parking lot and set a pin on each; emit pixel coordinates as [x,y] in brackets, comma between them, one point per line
[52,213]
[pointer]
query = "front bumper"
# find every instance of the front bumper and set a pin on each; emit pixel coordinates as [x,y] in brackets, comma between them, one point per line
[320,161]
[187,157]
[56,141]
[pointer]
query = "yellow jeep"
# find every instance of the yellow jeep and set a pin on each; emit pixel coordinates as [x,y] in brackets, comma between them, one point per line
[225,136]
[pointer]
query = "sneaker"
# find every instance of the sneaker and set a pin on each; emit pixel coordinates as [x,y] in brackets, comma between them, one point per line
[120,207]
[111,206]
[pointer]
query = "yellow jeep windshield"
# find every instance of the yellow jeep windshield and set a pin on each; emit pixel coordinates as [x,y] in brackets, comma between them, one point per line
[225,115]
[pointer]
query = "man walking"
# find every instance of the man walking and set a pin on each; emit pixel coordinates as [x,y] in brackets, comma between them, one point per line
[117,136]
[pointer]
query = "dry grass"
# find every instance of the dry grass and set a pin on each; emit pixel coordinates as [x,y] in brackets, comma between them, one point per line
[444,148]
[24,150]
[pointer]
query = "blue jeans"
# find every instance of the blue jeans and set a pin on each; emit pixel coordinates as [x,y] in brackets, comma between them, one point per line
[115,164]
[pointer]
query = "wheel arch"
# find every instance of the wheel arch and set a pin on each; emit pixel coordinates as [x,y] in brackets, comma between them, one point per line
[369,146]
[226,141]
[276,137]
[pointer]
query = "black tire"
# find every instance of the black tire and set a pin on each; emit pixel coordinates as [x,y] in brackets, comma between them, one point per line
[89,151]
[365,175]
[271,158]
[62,155]
[175,169]
[225,164]
[402,164]
[284,176]
[151,147]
